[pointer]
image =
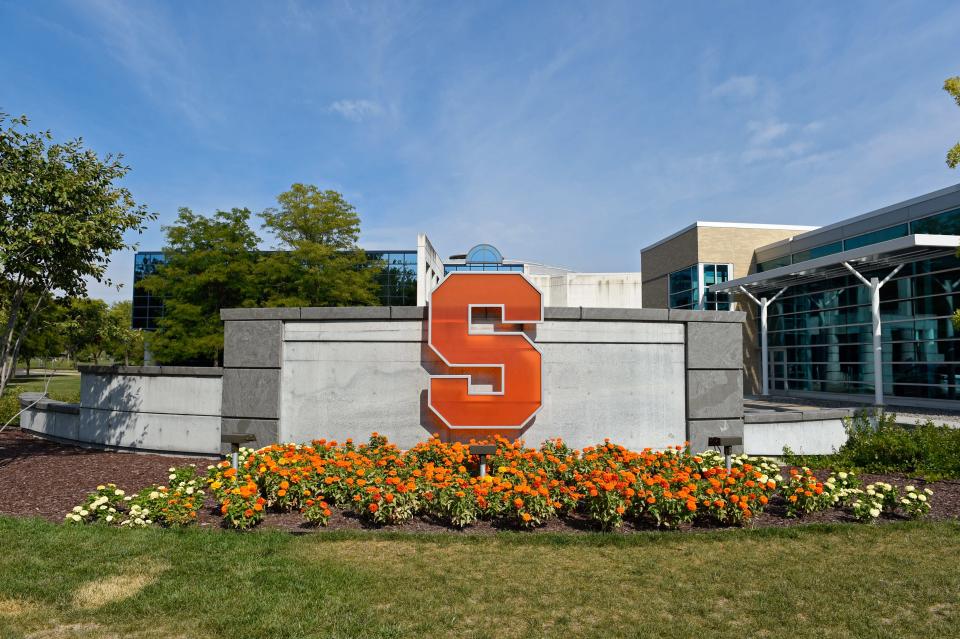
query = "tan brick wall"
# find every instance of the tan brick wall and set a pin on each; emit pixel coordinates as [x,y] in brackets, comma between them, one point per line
[661,260]
[720,245]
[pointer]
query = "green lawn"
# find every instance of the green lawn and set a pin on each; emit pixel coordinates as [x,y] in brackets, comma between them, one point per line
[64,385]
[896,580]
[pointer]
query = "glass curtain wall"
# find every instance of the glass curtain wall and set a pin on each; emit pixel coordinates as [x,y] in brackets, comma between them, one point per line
[398,279]
[825,332]
[688,287]
[147,309]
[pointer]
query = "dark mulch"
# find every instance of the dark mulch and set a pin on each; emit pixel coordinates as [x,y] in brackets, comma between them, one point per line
[43,478]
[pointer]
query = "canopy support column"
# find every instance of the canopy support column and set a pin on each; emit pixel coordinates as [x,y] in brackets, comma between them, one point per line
[875,284]
[764,303]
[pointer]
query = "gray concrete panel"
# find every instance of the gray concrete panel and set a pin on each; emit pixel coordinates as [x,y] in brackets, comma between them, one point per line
[714,394]
[408,312]
[699,432]
[808,437]
[714,345]
[291,313]
[175,395]
[568,313]
[609,332]
[252,344]
[267,431]
[683,315]
[345,313]
[249,392]
[151,431]
[625,314]
[355,331]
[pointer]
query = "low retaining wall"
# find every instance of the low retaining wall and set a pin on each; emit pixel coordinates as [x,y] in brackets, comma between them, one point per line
[159,408]
[807,432]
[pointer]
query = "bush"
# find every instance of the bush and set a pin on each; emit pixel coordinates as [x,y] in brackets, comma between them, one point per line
[926,449]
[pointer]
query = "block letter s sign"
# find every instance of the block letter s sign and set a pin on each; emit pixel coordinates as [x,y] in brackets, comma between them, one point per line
[513,358]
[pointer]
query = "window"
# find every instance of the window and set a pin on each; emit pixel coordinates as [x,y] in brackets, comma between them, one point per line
[947,223]
[824,329]
[817,251]
[900,230]
[776,262]
[688,287]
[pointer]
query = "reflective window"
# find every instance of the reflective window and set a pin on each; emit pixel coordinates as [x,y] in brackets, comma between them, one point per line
[688,287]
[484,253]
[947,223]
[900,230]
[824,331]
[777,262]
[817,251]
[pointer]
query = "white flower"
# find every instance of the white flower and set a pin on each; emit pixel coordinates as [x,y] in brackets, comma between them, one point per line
[843,475]
[909,489]
[922,497]
[154,495]
[76,517]
[119,493]
[172,477]
[190,490]
[874,512]
[77,509]
[928,491]
[101,487]
[138,521]
[172,469]
[84,512]
[905,501]
[109,518]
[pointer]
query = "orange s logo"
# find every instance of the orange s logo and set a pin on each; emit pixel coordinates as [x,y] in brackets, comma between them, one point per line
[511,356]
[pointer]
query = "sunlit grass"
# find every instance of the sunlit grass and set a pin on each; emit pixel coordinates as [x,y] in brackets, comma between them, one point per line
[896,580]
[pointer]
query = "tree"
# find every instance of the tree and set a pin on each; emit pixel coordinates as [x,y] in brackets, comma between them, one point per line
[952,86]
[124,343]
[87,329]
[209,265]
[46,339]
[62,215]
[319,263]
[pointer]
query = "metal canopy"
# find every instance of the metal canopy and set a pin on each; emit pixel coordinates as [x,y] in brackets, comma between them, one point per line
[883,254]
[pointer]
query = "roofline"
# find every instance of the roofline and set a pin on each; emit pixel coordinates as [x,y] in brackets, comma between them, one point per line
[889,246]
[730,225]
[865,216]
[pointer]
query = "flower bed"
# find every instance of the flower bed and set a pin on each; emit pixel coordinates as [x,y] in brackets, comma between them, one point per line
[525,487]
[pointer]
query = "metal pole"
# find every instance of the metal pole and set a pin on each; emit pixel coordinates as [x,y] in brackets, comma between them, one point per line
[764,353]
[877,346]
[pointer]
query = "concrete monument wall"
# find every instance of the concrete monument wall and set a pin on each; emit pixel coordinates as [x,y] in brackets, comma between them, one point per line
[641,377]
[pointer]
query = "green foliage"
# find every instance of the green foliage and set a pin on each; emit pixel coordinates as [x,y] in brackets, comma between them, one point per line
[125,343]
[213,263]
[321,264]
[952,86]
[210,265]
[61,217]
[925,450]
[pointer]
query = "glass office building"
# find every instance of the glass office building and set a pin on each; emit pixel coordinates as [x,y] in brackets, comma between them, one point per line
[482,257]
[820,324]
[147,308]
[397,279]
[689,287]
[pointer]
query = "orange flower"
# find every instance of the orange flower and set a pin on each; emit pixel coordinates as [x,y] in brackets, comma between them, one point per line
[373,508]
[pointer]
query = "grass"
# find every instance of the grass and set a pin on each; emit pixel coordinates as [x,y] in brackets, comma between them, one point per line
[893,580]
[64,387]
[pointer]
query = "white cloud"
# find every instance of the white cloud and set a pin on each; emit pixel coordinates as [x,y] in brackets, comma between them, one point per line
[357,110]
[738,86]
[766,131]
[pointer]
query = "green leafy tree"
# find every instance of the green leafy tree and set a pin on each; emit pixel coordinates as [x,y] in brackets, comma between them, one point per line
[124,343]
[210,263]
[319,263]
[46,339]
[952,86]
[62,215]
[87,329]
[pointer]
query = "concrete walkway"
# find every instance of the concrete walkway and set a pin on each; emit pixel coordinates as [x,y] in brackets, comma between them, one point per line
[758,406]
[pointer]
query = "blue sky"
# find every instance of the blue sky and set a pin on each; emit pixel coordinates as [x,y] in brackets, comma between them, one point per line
[565,133]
